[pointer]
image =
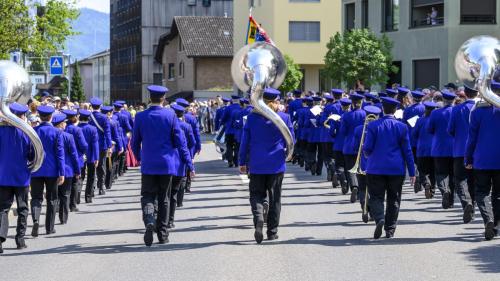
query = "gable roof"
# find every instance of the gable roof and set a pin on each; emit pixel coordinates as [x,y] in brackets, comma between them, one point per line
[201,36]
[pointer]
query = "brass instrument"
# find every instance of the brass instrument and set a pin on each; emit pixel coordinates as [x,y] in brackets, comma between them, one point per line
[219,140]
[334,117]
[15,86]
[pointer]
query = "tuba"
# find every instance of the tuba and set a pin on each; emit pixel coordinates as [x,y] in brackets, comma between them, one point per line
[256,67]
[476,63]
[15,86]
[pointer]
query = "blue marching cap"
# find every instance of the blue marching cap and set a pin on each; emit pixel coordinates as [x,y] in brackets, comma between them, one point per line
[18,109]
[182,102]
[70,113]
[360,92]
[316,98]
[307,99]
[370,96]
[76,107]
[245,101]
[451,86]
[328,97]
[468,90]
[118,105]
[157,90]
[177,107]
[297,92]
[356,97]
[417,94]
[391,101]
[337,92]
[226,99]
[370,109]
[58,118]
[106,109]
[271,94]
[430,104]
[402,91]
[45,110]
[391,92]
[234,97]
[85,113]
[447,95]
[382,94]
[122,102]
[45,94]
[345,101]
[95,101]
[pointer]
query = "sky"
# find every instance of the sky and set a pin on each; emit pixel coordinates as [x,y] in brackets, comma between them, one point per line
[100,5]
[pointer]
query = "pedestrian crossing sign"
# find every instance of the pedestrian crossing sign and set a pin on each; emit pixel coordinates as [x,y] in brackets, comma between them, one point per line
[56,65]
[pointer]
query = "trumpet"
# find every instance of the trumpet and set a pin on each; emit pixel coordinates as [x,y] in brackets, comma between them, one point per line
[357,167]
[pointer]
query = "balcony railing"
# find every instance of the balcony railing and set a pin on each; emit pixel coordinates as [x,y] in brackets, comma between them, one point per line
[478,19]
[427,22]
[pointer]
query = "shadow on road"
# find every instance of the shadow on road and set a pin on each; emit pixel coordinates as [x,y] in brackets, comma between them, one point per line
[486,258]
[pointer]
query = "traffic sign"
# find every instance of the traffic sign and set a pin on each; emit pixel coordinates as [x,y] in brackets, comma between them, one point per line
[56,66]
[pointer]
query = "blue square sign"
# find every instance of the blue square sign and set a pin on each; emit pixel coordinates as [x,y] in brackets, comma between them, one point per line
[56,66]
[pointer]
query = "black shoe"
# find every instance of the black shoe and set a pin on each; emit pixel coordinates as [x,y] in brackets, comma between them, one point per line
[180,205]
[272,237]
[306,167]
[102,192]
[301,164]
[489,231]
[389,234]
[148,236]
[188,190]
[313,169]
[365,218]
[428,193]
[344,188]
[88,199]
[417,187]
[230,165]
[335,181]
[378,229]
[34,230]
[354,194]
[49,232]
[20,243]
[1,248]
[329,175]
[468,213]
[266,211]
[445,203]
[259,236]
[170,225]
[108,187]
[78,198]
[163,240]
[74,209]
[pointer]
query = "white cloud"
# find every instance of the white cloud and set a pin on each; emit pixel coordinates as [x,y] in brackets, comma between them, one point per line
[100,5]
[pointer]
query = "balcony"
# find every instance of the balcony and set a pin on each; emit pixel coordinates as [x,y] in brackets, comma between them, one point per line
[427,13]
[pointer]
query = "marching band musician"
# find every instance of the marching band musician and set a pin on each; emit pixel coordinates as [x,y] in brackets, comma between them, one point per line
[89,169]
[326,139]
[155,141]
[350,120]
[116,147]
[314,147]
[126,128]
[391,93]
[423,140]
[415,109]
[303,131]
[101,122]
[231,153]
[338,145]
[387,139]
[442,149]
[265,147]
[458,128]
[16,151]
[293,107]
[127,132]
[71,167]
[50,175]
[235,126]
[220,112]
[81,147]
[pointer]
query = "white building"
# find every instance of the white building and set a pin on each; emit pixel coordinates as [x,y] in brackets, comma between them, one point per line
[95,71]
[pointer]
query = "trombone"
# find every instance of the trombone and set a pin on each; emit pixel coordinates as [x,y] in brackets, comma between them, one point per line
[357,167]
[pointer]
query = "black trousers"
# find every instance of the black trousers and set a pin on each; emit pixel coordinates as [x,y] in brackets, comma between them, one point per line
[110,170]
[231,152]
[7,195]
[262,187]
[339,167]
[350,161]
[315,156]
[301,147]
[64,193]
[443,167]
[176,186]
[379,186]
[488,182]
[362,189]
[425,166]
[464,182]
[328,155]
[76,189]
[89,187]
[51,194]
[156,187]
[101,169]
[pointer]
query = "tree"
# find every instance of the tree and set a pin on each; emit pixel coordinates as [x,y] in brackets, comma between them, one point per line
[359,58]
[293,76]
[77,93]
[15,26]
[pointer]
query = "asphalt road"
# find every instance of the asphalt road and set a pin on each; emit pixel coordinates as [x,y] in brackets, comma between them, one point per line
[321,238]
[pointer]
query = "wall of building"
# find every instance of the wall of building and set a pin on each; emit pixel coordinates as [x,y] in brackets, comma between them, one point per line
[213,73]
[87,76]
[171,54]
[101,78]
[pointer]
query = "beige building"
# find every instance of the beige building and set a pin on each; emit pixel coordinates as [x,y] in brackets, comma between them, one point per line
[300,28]
[196,56]
[95,74]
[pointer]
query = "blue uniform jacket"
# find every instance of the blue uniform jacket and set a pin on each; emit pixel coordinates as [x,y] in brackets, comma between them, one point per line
[190,142]
[191,120]
[128,117]
[116,135]
[156,140]
[350,120]
[387,147]
[312,124]
[227,120]
[241,121]
[293,107]
[421,136]
[482,149]
[105,134]
[15,151]
[458,127]
[218,117]
[121,134]
[303,132]
[92,139]
[442,141]
[264,145]
[124,125]
[358,131]
[71,161]
[235,126]
[417,109]
[53,164]
[325,132]
[81,144]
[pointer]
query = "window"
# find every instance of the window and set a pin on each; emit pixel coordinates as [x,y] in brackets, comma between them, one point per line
[191,2]
[157,79]
[364,14]
[473,13]
[207,3]
[181,69]
[395,78]
[181,46]
[390,15]
[171,71]
[349,16]
[304,31]
[425,73]
[427,13]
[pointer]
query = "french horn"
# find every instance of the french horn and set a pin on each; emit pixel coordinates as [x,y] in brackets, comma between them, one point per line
[15,86]
[476,63]
[256,67]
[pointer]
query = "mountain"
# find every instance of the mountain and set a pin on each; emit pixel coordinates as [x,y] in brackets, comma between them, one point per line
[94,34]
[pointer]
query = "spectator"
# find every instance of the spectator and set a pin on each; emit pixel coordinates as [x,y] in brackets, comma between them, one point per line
[434,15]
